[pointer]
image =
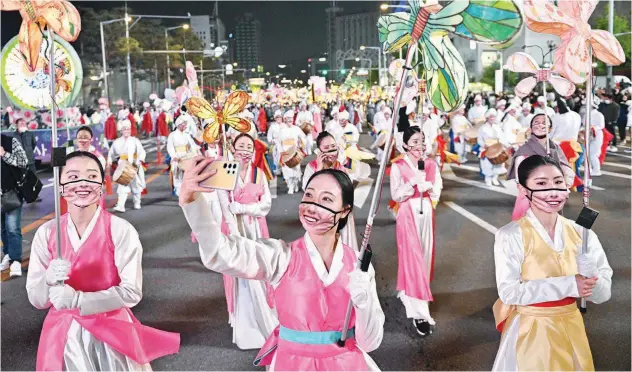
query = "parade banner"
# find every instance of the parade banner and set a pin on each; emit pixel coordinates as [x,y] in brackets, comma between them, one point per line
[43,140]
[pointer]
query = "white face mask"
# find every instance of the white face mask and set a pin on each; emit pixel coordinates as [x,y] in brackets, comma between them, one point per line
[22,129]
[607,101]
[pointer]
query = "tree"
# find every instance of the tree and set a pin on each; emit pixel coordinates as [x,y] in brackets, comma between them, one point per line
[489,76]
[621,25]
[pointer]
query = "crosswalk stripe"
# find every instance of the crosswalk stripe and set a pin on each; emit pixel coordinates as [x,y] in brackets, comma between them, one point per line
[472,217]
[617,165]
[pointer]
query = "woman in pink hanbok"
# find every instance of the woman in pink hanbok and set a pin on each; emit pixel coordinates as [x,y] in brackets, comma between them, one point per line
[91,289]
[330,156]
[313,278]
[416,185]
[250,302]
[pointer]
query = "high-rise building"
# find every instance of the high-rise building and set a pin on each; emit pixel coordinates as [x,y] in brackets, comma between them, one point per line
[209,29]
[356,30]
[248,42]
[331,33]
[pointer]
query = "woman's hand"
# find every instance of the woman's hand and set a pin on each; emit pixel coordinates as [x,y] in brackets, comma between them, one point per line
[585,285]
[192,178]
[320,160]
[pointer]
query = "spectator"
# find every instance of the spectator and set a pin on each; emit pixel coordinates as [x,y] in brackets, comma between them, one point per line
[27,141]
[610,111]
[622,122]
[14,160]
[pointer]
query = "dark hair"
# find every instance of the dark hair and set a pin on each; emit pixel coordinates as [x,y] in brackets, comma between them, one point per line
[346,186]
[85,154]
[402,120]
[530,164]
[409,132]
[562,108]
[321,136]
[84,129]
[241,135]
[538,115]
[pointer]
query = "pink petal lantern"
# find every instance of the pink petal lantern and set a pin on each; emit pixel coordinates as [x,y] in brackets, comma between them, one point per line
[46,118]
[60,113]
[60,124]
[33,125]
[28,115]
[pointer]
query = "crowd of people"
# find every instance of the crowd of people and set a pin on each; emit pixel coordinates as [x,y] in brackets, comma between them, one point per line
[282,296]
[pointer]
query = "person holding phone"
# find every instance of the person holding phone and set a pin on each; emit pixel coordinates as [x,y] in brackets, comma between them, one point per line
[416,186]
[250,302]
[329,156]
[90,289]
[540,273]
[313,277]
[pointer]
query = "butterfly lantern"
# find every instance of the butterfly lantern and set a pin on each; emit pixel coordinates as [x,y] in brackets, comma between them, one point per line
[216,117]
[569,21]
[61,16]
[427,27]
[522,62]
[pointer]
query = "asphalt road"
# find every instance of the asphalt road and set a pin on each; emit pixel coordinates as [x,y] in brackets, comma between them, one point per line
[180,295]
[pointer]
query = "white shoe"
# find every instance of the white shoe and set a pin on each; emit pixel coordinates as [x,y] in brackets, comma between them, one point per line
[136,206]
[495,182]
[6,262]
[488,182]
[290,192]
[613,149]
[119,208]
[297,189]
[596,174]
[16,269]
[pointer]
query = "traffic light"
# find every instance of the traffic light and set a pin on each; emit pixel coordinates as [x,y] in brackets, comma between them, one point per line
[343,71]
[324,72]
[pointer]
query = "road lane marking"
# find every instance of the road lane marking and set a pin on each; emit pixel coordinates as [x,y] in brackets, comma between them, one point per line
[617,165]
[470,216]
[621,155]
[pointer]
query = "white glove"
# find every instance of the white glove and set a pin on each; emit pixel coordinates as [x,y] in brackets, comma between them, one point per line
[424,186]
[586,266]
[62,297]
[236,208]
[359,283]
[57,271]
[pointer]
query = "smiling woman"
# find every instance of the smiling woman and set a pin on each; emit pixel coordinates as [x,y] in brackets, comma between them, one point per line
[312,278]
[540,273]
[89,325]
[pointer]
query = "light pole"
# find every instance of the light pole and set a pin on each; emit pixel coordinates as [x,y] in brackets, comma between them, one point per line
[184,26]
[105,72]
[380,55]
[129,65]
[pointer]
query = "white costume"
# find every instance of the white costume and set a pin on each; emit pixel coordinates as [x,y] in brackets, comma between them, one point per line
[351,134]
[253,319]
[511,127]
[383,125]
[598,124]
[305,116]
[565,126]
[131,150]
[333,127]
[509,256]
[291,136]
[525,115]
[459,124]
[489,134]
[476,113]
[274,131]
[179,144]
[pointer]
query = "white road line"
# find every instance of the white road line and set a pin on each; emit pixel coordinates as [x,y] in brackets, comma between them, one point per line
[449,175]
[471,217]
[273,187]
[468,167]
[613,174]
[593,187]
[621,155]
[617,165]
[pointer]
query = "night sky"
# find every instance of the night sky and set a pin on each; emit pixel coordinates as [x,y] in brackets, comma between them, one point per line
[291,29]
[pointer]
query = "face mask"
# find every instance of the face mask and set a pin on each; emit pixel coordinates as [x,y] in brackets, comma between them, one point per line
[607,102]
[22,129]
[416,151]
[334,213]
[538,198]
[82,193]
[243,155]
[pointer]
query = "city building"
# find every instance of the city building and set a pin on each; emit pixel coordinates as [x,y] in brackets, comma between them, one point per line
[209,29]
[248,42]
[331,33]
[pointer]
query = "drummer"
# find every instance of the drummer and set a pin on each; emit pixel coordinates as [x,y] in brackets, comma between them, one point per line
[525,116]
[490,134]
[351,134]
[459,124]
[476,114]
[128,151]
[382,124]
[305,117]
[179,144]
[511,126]
[291,141]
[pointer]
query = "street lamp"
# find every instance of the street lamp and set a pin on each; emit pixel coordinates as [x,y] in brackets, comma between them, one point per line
[322,59]
[303,72]
[282,66]
[184,26]
[235,64]
[267,74]
[379,60]
[387,6]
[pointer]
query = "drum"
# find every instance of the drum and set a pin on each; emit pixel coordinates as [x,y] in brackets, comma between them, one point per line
[471,136]
[497,154]
[124,174]
[380,141]
[291,158]
[521,137]
[307,128]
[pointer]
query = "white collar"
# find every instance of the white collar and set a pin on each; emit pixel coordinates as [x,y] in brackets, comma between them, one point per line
[410,162]
[319,266]
[73,236]
[557,244]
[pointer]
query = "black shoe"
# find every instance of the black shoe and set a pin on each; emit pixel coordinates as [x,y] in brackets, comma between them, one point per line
[38,200]
[422,327]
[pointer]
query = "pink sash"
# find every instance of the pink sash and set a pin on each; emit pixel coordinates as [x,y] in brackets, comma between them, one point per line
[93,270]
[412,277]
